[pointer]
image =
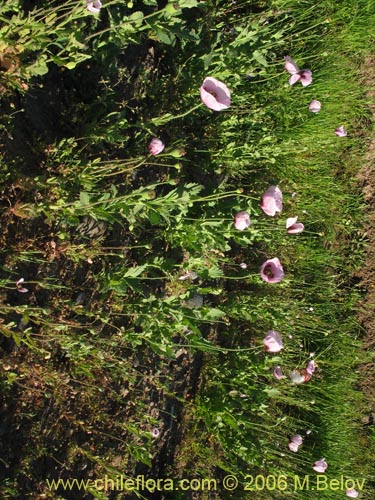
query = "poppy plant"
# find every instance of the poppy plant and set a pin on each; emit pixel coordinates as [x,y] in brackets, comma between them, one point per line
[295,442]
[341,131]
[320,466]
[94,6]
[215,94]
[273,341]
[272,201]
[315,106]
[272,271]
[156,146]
[304,75]
[294,227]
[242,221]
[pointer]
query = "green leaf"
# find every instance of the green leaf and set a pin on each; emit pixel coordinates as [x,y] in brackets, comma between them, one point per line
[162,120]
[137,18]
[133,272]
[213,314]
[84,199]
[258,56]
[39,68]
[166,37]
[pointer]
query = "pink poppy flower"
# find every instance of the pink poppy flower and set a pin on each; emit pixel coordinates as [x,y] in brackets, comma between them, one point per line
[295,442]
[155,433]
[94,6]
[315,106]
[156,146]
[352,493]
[242,221]
[294,227]
[20,287]
[272,201]
[320,466]
[272,271]
[215,94]
[341,131]
[273,341]
[277,373]
[304,75]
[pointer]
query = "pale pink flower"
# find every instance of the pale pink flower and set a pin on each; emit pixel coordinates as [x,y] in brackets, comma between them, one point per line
[277,373]
[294,227]
[215,94]
[320,466]
[295,442]
[156,146]
[341,131]
[243,265]
[155,433]
[19,285]
[352,493]
[191,275]
[297,377]
[304,75]
[272,271]
[272,201]
[310,368]
[273,341]
[315,106]
[242,221]
[94,6]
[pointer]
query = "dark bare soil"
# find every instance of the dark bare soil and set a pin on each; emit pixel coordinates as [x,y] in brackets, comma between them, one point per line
[366,313]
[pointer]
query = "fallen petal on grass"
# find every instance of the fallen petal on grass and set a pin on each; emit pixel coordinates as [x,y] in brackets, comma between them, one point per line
[310,368]
[277,373]
[341,131]
[305,77]
[295,442]
[296,377]
[352,493]
[315,106]
[320,466]
[272,201]
[273,341]
[290,65]
[294,227]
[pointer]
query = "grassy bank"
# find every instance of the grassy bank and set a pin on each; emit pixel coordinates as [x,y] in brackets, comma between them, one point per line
[134,345]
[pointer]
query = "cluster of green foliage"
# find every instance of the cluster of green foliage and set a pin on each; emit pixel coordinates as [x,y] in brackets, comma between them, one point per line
[132,263]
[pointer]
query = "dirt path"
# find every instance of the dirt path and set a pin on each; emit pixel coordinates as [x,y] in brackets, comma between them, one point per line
[367,275]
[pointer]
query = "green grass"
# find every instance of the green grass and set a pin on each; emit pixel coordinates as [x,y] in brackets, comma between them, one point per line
[107,345]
